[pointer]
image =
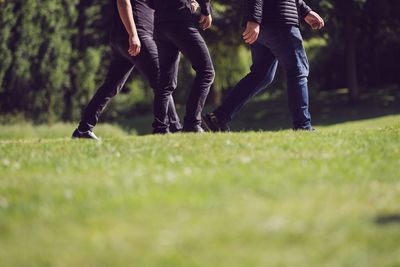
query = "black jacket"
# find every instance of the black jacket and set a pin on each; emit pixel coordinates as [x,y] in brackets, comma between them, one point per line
[281,12]
[177,10]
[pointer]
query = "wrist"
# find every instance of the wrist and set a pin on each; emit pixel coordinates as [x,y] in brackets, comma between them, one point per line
[253,19]
[206,9]
[132,34]
[306,13]
[253,22]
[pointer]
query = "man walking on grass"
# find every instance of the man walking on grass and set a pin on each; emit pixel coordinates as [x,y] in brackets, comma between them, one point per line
[175,32]
[132,46]
[272,30]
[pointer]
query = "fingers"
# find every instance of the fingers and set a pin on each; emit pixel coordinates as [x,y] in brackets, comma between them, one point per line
[134,50]
[195,6]
[315,21]
[250,35]
[321,23]
[250,38]
[246,32]
[205,22]
[134,45]
[201,20]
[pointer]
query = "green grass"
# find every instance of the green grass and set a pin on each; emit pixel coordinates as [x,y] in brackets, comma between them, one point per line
[29,132]
[254,199]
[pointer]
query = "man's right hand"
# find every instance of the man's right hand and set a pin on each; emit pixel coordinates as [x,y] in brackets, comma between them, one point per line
[195,6]
[251,32]
[134,45]
[205,22]
[314,20]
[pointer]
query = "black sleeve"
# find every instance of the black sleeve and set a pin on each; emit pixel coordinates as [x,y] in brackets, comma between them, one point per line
[150,3]
[304,9]
[205,6]
[254,10]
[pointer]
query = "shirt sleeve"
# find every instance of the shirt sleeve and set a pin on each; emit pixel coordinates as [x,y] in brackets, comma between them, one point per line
[205,6]
[254,10]
[304,9]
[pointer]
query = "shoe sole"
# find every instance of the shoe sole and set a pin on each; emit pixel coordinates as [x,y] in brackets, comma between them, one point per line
[75,137]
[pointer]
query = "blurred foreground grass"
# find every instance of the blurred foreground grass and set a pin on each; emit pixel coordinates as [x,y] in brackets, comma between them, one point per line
[241,199]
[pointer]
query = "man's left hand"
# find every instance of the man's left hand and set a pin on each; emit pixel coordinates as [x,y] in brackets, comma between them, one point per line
[250,34]
[205,22]
[195,6]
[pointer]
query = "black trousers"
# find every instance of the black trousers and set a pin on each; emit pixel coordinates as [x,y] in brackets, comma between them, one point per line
[171,39]
[121,67]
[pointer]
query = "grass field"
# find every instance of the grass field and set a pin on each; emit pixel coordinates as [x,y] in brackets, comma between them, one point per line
[283,198]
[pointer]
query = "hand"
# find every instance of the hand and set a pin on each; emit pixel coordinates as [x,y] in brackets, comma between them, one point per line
[251,33]
[205,22]
[314,20]
[134,45]
[195,6]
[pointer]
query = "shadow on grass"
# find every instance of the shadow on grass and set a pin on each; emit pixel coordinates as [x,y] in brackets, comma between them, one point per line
[272,114]
[327,108]
[388,219]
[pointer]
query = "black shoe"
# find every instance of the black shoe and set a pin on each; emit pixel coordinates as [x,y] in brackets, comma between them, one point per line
[84,135]
[210,122]
[309,129]
[175,130]
[193,129]
[161,131]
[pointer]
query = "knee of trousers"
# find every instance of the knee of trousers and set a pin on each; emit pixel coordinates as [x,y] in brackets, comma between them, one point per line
[108,90]
[297,73]
[262,78]
[206,74]
[165,91]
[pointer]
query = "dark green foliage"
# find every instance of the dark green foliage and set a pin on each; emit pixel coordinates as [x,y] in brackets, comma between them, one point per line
[51,53]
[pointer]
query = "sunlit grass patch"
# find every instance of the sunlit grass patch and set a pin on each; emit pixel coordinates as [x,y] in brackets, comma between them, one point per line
[238,199]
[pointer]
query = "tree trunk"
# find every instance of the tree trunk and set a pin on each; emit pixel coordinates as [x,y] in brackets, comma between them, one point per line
[351,51]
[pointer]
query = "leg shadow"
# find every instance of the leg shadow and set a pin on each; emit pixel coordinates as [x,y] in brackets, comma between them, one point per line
[388,219]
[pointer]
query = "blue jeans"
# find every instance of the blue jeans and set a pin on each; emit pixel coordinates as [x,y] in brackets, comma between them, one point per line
[274,44]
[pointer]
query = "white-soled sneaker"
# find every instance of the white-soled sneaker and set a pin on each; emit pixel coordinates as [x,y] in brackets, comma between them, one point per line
[84,135]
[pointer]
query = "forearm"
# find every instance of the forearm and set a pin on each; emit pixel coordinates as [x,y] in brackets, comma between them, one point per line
[126,14]
[304,9]
[205,6]
[255,10]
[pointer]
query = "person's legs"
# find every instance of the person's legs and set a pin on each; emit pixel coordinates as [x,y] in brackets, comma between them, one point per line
[147,62]
[262,73]
[174,121]
[289,50]
[118,73]
[189,41]
[169,59]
